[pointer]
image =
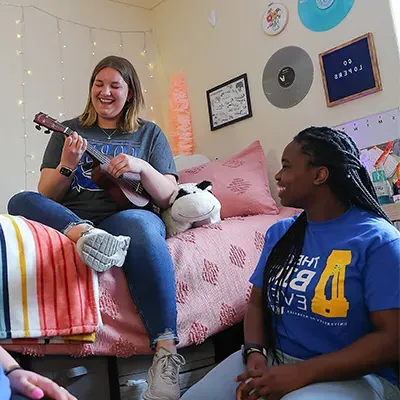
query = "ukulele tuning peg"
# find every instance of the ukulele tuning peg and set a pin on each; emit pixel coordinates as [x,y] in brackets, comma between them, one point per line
[38,127]
[47,131]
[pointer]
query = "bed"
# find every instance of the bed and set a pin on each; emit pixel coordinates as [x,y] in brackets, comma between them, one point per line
[213,264]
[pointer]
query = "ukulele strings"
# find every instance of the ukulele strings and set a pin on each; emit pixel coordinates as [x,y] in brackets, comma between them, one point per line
[105,160]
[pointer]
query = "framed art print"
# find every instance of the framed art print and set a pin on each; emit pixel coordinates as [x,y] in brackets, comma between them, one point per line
[229,102]
[350,71]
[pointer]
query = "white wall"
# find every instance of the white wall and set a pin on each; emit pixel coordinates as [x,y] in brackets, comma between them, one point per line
[209,56]
[43,53]
[395,4]
[185,42]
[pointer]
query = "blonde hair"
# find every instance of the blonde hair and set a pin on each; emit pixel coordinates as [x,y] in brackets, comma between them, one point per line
[129,121]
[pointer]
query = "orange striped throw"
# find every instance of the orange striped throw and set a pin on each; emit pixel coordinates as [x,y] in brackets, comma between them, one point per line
[45,289]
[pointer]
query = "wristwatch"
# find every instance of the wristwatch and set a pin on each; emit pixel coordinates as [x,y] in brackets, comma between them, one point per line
[249,348]
[66,171]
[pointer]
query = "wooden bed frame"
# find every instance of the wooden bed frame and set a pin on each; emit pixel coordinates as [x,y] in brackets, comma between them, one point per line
[112,378]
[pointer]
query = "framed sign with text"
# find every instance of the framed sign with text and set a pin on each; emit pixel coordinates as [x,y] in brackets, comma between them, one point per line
[350,71]
[229,102]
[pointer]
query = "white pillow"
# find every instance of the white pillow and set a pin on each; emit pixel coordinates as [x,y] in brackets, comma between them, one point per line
[183,162]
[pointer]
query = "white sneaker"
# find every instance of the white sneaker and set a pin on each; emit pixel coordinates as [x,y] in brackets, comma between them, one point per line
[163,376]
[100,250]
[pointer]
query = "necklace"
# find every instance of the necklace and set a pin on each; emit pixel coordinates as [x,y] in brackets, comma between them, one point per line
[109,135]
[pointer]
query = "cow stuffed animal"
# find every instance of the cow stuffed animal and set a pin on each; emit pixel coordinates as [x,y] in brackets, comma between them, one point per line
[192,205]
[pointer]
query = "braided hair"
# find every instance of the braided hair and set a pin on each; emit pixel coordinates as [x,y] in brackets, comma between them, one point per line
[348,180]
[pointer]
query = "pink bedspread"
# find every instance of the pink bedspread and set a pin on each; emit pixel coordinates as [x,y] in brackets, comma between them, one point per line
[213,264]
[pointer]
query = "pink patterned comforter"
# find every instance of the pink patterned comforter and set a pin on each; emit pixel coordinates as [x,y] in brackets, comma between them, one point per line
[213,265]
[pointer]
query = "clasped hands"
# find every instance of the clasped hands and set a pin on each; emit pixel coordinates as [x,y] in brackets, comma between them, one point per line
[269,383]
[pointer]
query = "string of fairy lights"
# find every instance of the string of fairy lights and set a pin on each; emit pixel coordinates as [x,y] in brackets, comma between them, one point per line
[20,52]
[27,73]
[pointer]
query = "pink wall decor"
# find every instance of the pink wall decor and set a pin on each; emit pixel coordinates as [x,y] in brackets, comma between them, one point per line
[180,116]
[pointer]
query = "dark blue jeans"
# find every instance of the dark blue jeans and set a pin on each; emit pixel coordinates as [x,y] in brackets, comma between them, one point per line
[148,267]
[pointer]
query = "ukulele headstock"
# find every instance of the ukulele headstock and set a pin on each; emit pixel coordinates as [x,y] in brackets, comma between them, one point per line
[43,120]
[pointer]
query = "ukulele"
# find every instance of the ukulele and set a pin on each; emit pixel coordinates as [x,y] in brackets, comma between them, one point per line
[125,190]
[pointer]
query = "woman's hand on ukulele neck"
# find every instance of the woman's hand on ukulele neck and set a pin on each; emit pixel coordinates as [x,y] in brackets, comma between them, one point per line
[74,147]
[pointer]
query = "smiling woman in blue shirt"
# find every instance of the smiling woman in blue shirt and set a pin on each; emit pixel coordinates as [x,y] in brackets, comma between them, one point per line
[323,317]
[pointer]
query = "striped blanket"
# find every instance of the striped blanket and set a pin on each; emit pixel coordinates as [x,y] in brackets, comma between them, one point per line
[46,291]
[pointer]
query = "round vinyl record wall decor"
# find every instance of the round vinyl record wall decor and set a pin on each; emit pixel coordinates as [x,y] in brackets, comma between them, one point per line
[322,15]
[288,76]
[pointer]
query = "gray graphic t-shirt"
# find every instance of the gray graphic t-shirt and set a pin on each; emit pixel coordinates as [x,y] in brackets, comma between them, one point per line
[84,197]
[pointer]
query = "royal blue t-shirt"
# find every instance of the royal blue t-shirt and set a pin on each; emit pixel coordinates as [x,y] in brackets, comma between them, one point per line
[5,391]
[349,267]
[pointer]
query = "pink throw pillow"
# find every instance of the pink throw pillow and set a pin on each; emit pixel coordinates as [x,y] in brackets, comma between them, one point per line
[240,183]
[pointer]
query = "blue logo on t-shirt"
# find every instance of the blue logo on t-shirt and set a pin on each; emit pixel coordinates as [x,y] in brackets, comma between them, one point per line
[83,176]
